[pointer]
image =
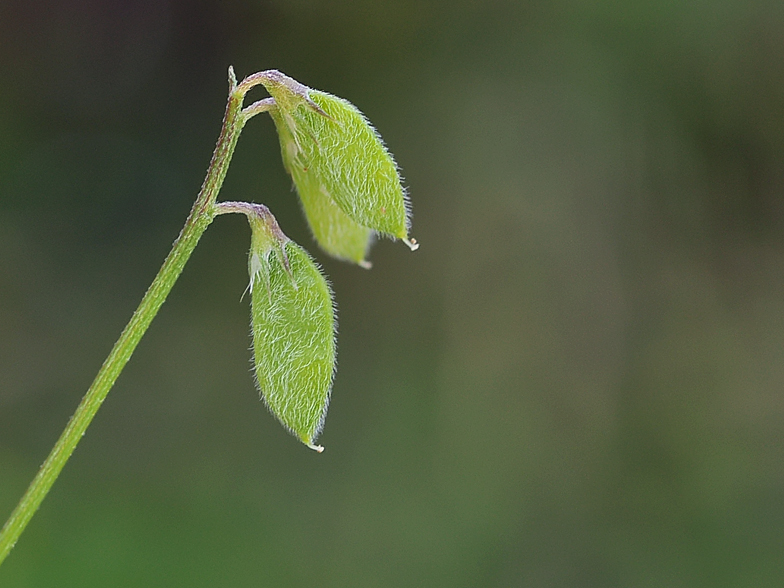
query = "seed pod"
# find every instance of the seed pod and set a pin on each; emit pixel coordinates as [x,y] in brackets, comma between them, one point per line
[329,140]
[335,232]
[293,324]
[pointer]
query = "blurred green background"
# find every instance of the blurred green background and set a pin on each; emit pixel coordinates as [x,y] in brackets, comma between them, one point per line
[578,380]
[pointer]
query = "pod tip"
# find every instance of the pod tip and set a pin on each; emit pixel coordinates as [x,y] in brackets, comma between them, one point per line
[412,243]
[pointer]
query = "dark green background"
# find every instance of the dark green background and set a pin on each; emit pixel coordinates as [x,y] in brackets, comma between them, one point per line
[578,380]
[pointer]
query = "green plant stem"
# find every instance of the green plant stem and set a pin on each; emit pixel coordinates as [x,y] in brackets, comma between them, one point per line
[199,219]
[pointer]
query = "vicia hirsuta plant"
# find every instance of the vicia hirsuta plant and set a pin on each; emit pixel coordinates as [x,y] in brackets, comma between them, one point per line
[350,190]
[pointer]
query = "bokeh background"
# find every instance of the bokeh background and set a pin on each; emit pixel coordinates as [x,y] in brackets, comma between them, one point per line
[578,380]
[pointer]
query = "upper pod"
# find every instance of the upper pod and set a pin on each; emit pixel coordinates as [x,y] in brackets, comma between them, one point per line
[337,153]
[334,230]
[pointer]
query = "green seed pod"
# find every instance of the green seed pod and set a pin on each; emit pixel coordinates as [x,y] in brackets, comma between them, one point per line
[293,324]
[335,232]
[331,150]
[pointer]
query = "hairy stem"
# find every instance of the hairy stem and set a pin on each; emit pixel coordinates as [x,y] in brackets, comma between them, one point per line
[200,217]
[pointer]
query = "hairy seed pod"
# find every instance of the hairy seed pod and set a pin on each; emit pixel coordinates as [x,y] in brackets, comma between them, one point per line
[331,149]
[335,232]
[293,324]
